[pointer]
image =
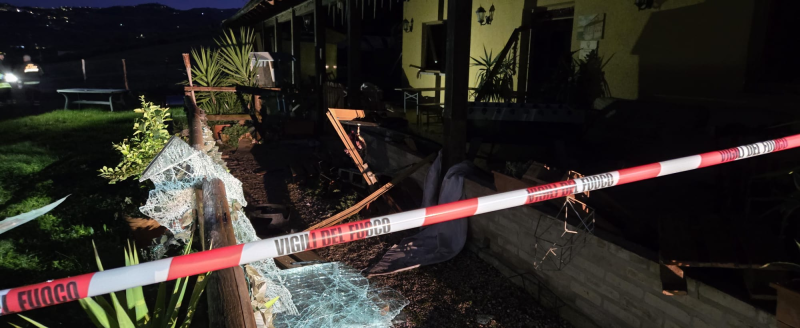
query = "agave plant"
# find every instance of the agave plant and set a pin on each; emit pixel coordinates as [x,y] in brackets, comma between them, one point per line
[130,310]
[229,65]
[501,86]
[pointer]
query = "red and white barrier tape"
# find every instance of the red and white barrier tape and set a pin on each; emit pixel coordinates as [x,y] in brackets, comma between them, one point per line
[98,283]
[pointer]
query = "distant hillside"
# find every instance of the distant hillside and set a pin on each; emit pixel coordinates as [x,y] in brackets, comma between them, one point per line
[95,30]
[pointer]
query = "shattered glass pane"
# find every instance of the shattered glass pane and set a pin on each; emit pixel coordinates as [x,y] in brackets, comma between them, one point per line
[335,295]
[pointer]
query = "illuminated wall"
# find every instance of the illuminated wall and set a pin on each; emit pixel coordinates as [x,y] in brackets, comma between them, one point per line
[686,48]
[508,16]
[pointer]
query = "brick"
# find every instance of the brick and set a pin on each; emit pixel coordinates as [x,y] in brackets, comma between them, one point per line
[624,285]
[655,268]
[691,287]
[733,321]
[713,294]
[589,266]
[699,323]
[643,277]
[625,316]
[509,246]
[575,273]
[590,310]
[601,244]
[651,316]
[701,307]
[671,310]
[585,292]
[510,234]
[527,257]
[603,289]
[619,252]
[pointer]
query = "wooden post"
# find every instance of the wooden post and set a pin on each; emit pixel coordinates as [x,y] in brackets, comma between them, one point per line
[188,64]
[459,23]
[353,55]
[277,30]
[319,57]
[296,25]
[228,297]
[125,74]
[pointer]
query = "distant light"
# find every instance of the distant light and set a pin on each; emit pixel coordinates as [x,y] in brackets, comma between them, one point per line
[326,66]
[120,24]
[202,13]
[23,47]
[334,66]
[17,9]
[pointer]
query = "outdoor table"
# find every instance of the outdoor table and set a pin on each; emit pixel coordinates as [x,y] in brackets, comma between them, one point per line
[78,92]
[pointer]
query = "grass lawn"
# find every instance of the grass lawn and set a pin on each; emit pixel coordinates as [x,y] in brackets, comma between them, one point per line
[46,157]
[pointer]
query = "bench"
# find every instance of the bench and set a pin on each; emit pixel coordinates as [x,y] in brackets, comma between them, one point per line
[78,92]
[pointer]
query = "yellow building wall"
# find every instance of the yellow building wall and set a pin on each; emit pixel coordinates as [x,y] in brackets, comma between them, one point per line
[685,48]
[508,16]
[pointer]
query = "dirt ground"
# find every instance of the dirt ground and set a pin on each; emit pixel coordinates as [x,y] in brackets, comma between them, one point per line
[455,293]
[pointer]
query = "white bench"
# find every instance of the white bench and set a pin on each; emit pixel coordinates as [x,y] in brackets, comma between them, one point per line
[78,92]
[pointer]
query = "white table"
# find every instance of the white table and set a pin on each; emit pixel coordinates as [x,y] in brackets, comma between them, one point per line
[77,92]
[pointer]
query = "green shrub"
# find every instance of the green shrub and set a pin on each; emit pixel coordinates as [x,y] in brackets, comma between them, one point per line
[149,137]
[235,132]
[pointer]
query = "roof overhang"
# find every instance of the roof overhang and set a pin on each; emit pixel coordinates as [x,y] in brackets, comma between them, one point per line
[257,11]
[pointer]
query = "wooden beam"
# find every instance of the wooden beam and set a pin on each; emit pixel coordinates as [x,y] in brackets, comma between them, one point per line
[341,216]
[333,115]
[297,25]
[228,297]
[230,89]
[353,54]
[459,24]
[229,117]
[319,56]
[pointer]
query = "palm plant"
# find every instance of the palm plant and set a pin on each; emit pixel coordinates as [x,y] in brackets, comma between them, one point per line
[501,86]
[130,310]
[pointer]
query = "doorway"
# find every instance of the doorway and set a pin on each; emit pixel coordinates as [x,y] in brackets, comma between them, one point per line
[550,56]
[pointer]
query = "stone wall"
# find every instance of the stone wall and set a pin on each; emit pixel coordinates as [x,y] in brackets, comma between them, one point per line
[604,285]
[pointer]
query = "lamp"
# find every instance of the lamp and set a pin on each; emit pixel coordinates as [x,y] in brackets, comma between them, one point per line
[408,26]
[643,4]
[490,17]
[481,13]
[307,22]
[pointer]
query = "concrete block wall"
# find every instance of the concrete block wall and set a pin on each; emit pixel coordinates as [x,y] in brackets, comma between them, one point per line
[604,285]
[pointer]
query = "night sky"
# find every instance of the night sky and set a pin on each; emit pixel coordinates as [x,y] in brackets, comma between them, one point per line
[178,4]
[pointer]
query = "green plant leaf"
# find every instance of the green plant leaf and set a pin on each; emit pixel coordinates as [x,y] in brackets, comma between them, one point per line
[97,257]
[123,319]
[271,302]
[96,313]
[32,321]
[158,311]
[109,310]
[199,287]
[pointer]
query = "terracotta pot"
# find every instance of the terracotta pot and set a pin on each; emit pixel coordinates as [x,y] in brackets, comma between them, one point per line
[788,310]
[217,129]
